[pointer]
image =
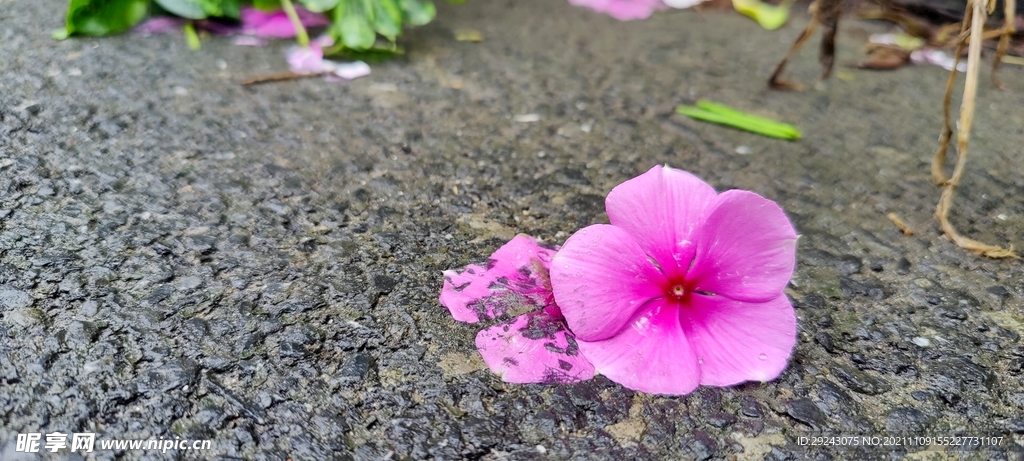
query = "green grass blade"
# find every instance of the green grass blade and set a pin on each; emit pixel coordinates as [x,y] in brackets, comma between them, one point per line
[717,113]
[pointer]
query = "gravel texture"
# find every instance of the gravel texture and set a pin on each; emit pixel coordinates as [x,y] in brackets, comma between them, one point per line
[181,256]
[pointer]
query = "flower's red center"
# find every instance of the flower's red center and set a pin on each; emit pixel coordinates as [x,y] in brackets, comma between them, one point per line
[676,290]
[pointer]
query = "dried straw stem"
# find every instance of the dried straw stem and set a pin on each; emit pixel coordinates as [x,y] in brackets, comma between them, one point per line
[977,16]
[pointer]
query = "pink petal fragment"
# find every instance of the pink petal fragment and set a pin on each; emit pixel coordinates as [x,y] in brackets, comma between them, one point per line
[600,278]
[515,279]
[662,209]
[623,10]
[746,250]
[276,24]
[651,355]
[245,40]
[351,70]
[737,341]
[159,25]
[533,348]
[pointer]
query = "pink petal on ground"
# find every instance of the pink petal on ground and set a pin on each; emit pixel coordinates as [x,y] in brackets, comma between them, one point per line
[737,341]
[276,24]
[746,249]
[515,279]
[308,60]
[623,10]
[533,348]
[628,10]
[651,354]
[662,209]
[245,40]
[351,70]
[600,278]
[159,25]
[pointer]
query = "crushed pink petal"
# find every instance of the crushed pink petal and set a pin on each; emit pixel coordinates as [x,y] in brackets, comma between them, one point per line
[533,348]
[514,279]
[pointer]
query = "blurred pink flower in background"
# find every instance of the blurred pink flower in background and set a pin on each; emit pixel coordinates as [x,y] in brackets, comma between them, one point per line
[623,10]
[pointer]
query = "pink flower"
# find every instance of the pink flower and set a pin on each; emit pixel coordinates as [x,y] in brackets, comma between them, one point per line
[276,24]
[253,22]
[683,288]
[533,347]
[623,10]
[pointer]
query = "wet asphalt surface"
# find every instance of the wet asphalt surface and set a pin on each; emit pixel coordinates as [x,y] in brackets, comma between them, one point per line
[181,256]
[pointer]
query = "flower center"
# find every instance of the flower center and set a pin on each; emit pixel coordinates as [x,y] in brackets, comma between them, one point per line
[677,291]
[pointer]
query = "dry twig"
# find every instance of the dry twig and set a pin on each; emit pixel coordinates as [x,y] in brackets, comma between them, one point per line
[976,15]
[826,13]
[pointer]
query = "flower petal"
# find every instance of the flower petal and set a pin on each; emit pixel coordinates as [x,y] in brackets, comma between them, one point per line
[746,250]
[737,341]
[515,279]
[533,348]
[651,355]
[662,210]
[600,278]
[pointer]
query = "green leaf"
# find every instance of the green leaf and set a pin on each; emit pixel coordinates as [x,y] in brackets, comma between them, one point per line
[202,9]
[417,13]
[267,5]
[378,52]
[356,32]
[191,37]
[387,19]
[104,17]
[351,27]
[231,8]
[717,113]
[319,6]
[192,9]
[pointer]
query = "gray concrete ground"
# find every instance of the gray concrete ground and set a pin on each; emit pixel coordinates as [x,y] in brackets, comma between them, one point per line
[181,256]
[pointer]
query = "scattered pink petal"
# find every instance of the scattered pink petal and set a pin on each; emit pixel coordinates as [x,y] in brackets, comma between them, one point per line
[515,278]
[247,40]
[936,57]
[351,70]
[683,4]
[276,24]
[623,10]
[159,25]
[310,60]
[533,348]
[692,290]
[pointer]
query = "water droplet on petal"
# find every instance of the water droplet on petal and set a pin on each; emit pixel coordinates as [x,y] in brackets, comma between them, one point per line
[763,357]
[579,275]
[700,361]
[566,266]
